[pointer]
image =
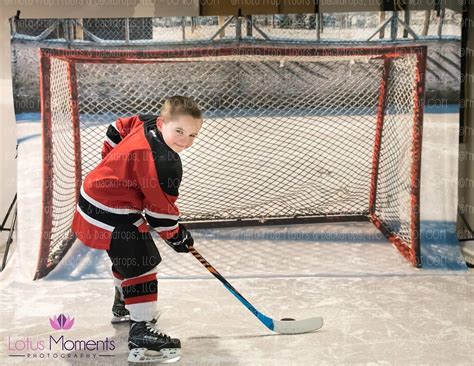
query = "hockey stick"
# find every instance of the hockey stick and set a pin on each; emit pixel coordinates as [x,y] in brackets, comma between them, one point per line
[283,326]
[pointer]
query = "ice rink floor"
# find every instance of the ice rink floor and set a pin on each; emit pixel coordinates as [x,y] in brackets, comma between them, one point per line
[377,308]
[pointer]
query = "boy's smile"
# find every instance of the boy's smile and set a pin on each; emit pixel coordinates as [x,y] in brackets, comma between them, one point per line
[179,134]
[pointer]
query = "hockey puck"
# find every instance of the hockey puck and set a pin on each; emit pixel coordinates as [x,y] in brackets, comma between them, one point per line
[287,320]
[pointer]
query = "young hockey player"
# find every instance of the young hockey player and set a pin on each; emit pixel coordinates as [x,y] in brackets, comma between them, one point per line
[134,187]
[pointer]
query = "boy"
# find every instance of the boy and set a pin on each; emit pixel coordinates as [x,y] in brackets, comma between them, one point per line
[140,174]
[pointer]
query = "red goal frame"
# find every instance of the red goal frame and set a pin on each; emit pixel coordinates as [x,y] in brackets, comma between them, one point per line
[72,57]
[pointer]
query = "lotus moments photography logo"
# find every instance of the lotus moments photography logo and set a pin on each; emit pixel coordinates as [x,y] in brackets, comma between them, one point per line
[58,345]
[61,322]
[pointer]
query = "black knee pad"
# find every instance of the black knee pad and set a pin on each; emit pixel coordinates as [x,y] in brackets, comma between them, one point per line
[132,253]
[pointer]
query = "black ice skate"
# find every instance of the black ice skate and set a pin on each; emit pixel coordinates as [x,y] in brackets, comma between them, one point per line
[119,313]
[147,344]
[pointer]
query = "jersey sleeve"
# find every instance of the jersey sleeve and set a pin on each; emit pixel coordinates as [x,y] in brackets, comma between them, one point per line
[160,208]
[117,131]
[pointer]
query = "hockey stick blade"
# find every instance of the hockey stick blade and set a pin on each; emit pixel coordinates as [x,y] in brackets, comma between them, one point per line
[279,326]
[297,326]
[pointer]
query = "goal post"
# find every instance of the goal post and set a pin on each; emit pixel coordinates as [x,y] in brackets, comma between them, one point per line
[291,134]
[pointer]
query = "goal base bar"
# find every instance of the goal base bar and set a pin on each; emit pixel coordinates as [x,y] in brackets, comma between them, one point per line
[273,221]
[411,254]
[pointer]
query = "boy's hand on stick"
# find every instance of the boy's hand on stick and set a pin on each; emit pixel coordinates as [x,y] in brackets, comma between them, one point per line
[181,241]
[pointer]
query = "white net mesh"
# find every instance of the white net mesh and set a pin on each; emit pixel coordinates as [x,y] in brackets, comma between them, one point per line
[393,189]
[283,136]
[59,152]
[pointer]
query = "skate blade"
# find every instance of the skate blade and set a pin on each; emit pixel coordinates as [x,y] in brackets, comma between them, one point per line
[120,319]
[165,355]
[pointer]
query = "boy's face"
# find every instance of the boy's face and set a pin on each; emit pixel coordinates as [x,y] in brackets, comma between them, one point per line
[180,132]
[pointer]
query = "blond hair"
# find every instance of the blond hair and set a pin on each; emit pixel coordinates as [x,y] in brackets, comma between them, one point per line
[179,106]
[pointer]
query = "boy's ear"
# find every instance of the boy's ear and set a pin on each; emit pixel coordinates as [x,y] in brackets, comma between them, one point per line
[159,122]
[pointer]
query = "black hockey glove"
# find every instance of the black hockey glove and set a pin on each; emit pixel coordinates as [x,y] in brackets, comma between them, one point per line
[181,241]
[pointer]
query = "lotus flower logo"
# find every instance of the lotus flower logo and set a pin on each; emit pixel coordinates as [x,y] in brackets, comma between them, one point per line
[61,322]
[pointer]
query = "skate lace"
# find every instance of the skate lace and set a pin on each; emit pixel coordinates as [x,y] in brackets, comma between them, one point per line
[157,332]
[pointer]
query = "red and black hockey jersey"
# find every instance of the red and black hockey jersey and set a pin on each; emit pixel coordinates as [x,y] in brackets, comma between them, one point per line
[138,177]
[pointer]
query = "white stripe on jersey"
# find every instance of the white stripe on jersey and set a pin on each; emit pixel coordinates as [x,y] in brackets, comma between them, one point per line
[165,228]
[110,142]
[94,222]
[119,211]
[138,222]
[158,215]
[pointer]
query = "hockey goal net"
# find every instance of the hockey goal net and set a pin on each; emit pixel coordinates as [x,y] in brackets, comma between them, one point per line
[291,134]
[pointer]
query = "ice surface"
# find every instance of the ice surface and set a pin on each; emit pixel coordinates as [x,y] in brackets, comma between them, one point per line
[377,308]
